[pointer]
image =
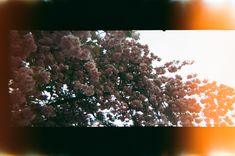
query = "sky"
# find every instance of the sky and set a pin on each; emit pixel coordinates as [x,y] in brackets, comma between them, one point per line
[212,50]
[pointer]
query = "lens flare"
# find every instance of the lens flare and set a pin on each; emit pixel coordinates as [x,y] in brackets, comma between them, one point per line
[6,154]
[184,154]
[3,1]
[212,14]
[214,2]
[221,154]
[180,0]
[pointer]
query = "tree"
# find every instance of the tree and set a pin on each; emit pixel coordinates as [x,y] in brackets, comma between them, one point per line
[106,78]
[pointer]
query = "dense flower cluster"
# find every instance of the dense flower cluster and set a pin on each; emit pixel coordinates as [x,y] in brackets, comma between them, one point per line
[83,78]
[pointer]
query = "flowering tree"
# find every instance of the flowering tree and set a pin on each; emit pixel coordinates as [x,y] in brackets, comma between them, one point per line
[106,78]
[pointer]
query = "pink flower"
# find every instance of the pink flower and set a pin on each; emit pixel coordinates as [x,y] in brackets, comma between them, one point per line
[172,69]
[84,55]
[46,41]
[69,42]
[89,91]
[25,80]
[17,98]
[89,65]
[29,43]
[42,76]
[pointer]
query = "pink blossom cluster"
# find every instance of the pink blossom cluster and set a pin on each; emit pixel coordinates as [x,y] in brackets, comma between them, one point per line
[66,78]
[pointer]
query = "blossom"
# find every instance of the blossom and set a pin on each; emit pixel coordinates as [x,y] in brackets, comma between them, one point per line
[25,80]
[42,76]
[17,98]
[29,43]
[89,65]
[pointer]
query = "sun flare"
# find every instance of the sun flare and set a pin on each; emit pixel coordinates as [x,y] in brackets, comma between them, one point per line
[214,2]
[222,154]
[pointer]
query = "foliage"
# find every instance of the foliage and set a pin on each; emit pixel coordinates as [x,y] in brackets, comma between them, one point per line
[105,78]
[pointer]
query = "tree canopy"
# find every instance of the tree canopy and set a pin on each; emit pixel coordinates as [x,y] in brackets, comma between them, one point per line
[106,78]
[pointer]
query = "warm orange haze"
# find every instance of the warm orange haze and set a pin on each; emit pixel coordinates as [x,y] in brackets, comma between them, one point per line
[211,50]
[207,14]
[214,14]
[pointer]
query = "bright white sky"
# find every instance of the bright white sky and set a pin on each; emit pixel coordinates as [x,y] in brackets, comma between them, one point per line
[212,50]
